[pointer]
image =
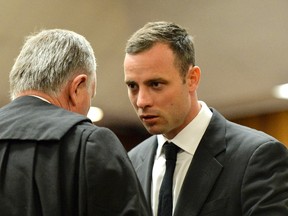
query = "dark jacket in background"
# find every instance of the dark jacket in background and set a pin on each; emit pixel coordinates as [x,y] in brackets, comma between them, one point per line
[54,162]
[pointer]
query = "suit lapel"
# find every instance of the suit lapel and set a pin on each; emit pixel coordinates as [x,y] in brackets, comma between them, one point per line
[144,170]
[204,169]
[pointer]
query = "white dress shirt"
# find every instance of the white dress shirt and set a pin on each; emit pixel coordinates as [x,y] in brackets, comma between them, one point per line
[188,140]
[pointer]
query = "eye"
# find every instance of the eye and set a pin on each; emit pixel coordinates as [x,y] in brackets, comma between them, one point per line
[131,85]
[156,84]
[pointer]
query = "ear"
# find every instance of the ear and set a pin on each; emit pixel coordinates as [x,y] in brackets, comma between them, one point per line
[193,77]
[76,88]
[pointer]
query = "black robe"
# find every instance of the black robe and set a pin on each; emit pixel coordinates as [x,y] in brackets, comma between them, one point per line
[55,162]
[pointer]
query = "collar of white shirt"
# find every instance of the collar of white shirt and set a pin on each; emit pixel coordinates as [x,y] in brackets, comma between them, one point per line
[40,98]
[196,127]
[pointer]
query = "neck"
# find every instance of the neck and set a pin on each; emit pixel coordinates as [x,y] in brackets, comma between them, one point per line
[59,101]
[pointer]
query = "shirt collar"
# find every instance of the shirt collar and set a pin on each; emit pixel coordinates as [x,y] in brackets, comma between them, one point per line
[40,98]
[189,138]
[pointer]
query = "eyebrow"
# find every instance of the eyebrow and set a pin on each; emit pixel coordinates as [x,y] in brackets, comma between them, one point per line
[148,81]
[156,80]
[130,82]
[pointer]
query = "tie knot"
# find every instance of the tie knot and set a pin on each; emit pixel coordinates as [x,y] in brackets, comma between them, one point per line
[170,150]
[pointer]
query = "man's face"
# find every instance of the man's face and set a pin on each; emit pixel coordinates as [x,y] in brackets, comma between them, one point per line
[157,92]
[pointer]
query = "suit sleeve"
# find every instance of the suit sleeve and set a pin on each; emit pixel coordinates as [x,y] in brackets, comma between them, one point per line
[265,184]
[112,185]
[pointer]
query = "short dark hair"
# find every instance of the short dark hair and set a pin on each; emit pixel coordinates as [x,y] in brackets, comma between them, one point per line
[176,37]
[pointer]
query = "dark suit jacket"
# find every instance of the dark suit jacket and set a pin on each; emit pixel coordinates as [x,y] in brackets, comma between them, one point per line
[55,163]
[235,171]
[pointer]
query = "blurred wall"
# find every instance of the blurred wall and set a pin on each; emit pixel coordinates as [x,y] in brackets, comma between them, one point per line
[275,124]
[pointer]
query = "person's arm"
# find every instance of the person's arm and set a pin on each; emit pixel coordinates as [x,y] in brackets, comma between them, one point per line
[112,185]
[265,184]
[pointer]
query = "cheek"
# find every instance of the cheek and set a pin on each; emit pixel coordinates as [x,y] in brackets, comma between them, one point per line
[86,109]
[178,106]
[132,99]
[85,105]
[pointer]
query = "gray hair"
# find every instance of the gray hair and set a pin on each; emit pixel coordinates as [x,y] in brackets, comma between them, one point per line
[176,37]
[49,59]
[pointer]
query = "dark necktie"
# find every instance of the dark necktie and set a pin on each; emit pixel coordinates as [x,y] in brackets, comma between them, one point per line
[165,205]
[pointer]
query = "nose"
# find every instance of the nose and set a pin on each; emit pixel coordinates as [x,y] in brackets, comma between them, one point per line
[143,99]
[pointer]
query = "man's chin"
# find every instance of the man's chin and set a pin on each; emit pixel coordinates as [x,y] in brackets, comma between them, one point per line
[153,129]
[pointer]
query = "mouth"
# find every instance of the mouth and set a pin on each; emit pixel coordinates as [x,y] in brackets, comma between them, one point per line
[147,118]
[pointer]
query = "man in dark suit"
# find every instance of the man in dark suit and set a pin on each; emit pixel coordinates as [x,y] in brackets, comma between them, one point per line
[53,160]
[222,169]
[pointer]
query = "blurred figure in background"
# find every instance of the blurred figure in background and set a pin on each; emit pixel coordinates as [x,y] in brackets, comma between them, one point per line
[220,168]
[53,160]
